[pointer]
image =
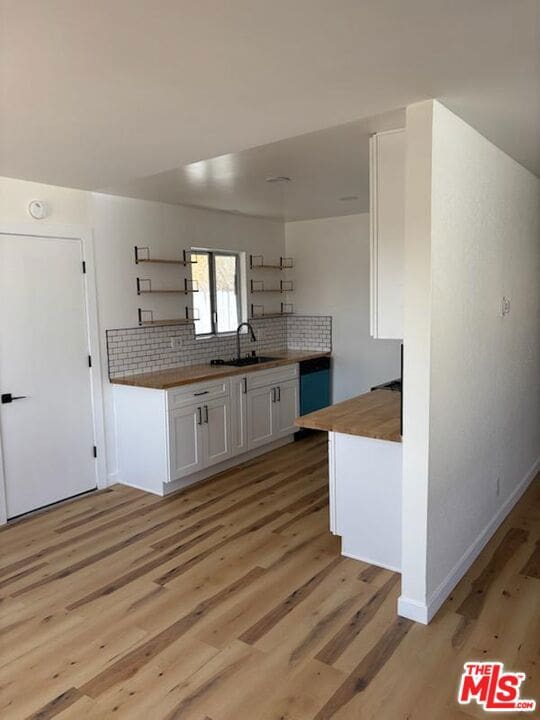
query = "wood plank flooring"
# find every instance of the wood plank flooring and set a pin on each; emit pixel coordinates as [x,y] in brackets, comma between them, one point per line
[231,601]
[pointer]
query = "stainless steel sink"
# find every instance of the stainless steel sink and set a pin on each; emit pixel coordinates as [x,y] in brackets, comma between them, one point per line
[242,362]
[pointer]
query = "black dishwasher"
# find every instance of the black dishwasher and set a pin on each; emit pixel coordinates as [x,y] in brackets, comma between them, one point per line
[314,386]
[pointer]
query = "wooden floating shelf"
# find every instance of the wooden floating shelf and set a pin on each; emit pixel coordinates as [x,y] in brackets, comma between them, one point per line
[163,261]
[285,263]
[144,287]
[154,292]
[180,321]
[271,315]
[257,286]
[269,267]
[286,309]
[186,320]
[185,261]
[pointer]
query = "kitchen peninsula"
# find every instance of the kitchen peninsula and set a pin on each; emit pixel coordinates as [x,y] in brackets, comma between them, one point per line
[365,457]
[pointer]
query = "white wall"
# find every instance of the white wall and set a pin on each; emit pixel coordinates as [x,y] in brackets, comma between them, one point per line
[118,225]
[331,277]
[121,223]
[483,443]
[66,206]
[485,245]
[417,345]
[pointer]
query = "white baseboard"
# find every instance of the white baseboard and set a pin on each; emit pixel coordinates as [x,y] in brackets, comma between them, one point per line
[348,554]
[113,478]
[413,610]
[182,483]
[424,612]
[176,485]
[140,487]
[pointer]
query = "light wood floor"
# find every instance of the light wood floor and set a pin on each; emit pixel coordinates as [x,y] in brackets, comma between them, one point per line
[230,601]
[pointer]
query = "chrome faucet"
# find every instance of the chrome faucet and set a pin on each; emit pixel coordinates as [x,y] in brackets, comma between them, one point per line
[253,336]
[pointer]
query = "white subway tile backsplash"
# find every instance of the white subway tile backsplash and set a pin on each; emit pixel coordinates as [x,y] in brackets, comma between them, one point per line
[136,350]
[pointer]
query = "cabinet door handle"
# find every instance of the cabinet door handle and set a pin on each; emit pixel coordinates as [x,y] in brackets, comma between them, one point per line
[245,386]
[204,392]
[199,413]
[273,394]
[206,414]
[278,393]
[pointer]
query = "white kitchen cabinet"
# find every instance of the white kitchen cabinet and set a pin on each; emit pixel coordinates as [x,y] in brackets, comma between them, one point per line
[286,408]
[186,451]
[272,411]
[216,431]
[365,498]
[387,233]
[199,436]
[261,416]
[332,483]
[239,436]
[168,439]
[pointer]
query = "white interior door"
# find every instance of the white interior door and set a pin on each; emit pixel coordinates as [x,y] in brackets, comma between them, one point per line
[47,436]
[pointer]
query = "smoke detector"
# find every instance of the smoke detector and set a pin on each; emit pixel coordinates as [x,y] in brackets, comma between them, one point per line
[38,209]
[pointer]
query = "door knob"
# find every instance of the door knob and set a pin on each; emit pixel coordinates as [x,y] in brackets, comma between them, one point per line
[8,397]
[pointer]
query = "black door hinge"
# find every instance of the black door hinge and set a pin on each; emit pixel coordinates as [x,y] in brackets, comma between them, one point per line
[84,267]
[95,451]
[89,361]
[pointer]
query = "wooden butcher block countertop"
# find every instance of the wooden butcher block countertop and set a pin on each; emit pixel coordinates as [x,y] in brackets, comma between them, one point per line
[375,415]
[174,377]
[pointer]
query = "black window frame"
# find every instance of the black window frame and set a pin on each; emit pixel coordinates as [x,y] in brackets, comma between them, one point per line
[212,254]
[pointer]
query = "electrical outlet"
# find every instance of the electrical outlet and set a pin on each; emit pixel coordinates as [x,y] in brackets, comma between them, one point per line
[176,343]
[498,486]
[505,306]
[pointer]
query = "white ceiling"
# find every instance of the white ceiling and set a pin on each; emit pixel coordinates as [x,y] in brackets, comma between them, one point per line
[95,94]
[324,167]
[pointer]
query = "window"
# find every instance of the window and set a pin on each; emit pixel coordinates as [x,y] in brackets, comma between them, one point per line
[217,304]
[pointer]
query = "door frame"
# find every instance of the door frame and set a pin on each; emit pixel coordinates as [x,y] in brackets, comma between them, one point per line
[84,235]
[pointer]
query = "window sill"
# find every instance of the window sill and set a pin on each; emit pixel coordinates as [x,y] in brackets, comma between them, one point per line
[215,336]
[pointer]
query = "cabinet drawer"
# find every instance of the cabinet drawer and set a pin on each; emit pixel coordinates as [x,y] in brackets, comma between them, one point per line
[263,378]
[198,392]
